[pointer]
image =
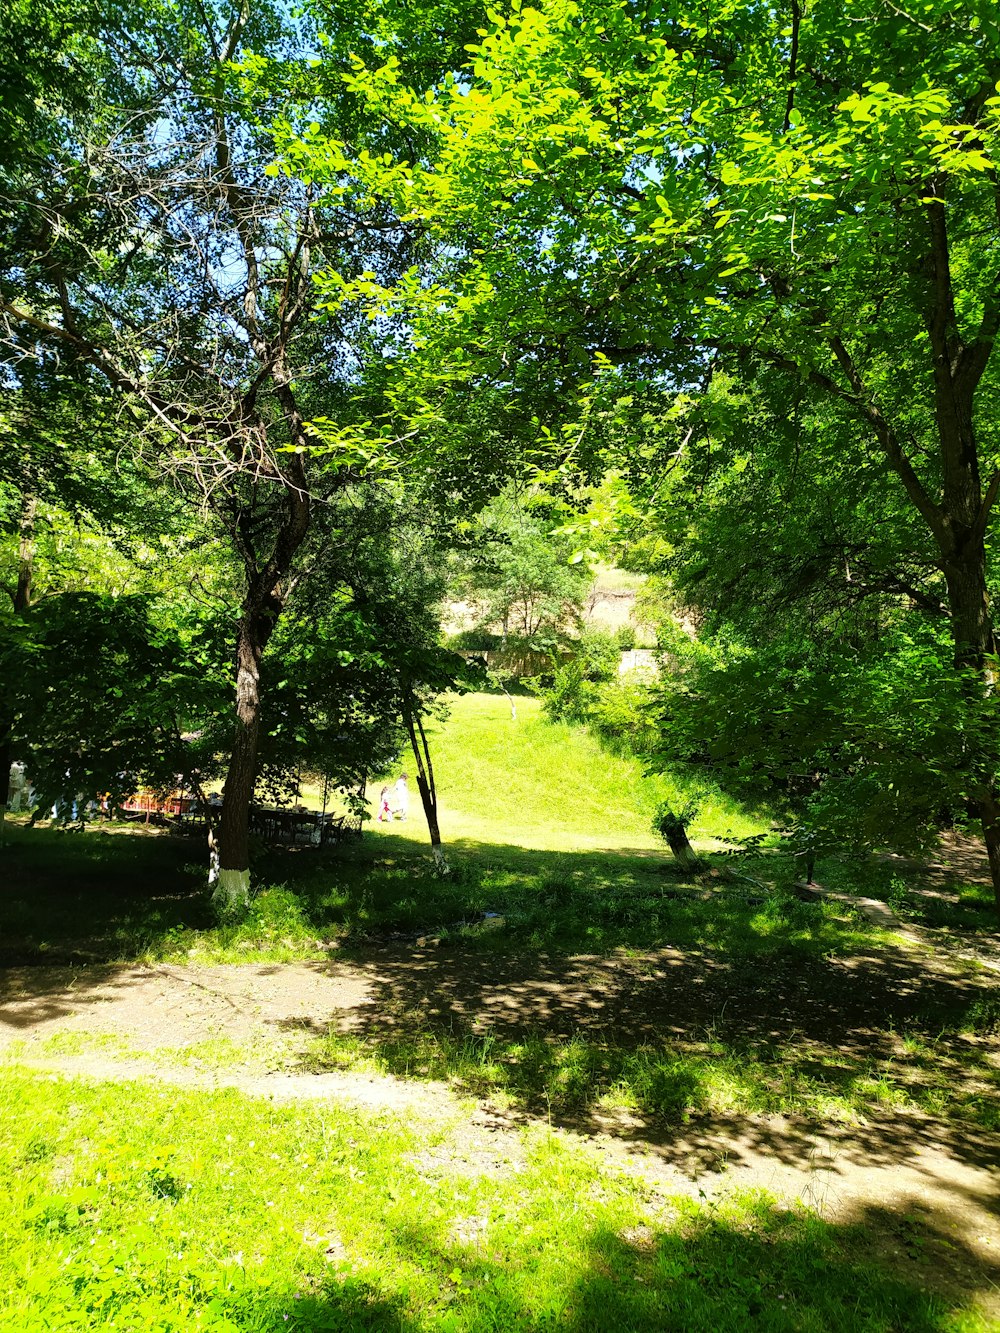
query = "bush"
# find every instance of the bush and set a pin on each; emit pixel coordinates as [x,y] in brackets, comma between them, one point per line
[621,715]
[478,639]
[570,696]
[599,655]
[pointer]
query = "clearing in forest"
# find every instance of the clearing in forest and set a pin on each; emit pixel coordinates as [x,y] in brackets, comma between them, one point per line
[565,1087]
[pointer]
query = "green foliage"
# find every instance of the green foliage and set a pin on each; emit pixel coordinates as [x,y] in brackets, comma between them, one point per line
[478,638]
[631,209]
[569,697]
[672,820]
[983,1017]
[100,690]
[598,653]
[859,749]
[519,576]
[619,713]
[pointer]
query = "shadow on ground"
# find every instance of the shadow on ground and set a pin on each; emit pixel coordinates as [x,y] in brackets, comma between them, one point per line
[783,1271]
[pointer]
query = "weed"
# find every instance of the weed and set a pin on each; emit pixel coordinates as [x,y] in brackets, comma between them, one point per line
[899,897]
[983,1017]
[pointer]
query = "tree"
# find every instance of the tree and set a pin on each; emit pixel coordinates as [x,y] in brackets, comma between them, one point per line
[80,526]
[156,246]
[107,690]
[519,575]
[812,194]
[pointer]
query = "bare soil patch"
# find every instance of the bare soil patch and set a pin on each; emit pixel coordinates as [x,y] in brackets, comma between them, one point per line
[928,1188]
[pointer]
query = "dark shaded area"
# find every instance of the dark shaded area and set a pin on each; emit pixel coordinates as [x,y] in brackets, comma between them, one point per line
[668,994]
[77,897]
[519,950]
[81,896]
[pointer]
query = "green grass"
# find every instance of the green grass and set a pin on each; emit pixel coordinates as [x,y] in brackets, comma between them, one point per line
[580,1081]
[549,786]
[163,1211]
[102,896]
[136,1209]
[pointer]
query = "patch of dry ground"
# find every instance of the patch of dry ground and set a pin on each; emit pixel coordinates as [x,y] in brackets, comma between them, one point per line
[932,1188]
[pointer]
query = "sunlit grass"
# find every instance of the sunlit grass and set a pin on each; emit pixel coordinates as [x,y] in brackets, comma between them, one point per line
[549,786]
[161,1210]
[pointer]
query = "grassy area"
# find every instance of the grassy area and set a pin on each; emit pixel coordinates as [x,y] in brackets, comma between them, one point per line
[665,1083]
[101,895]
[547,786]
[165,1211]
[138,1209]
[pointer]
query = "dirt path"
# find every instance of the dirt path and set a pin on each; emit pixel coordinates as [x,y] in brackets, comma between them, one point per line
[932,1188]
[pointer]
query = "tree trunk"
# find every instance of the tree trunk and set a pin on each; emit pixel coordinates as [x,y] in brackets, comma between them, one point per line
[232,888]
[677,841]
[673,829]
[264,601]
[962,518]
[425,784]
[21,598]
[969,604]
[973,637]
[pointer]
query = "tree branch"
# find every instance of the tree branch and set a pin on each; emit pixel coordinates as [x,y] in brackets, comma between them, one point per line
[887,438]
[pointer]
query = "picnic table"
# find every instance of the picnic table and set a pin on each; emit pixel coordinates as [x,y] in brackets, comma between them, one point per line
[282,825]
[154,808]
[275,824]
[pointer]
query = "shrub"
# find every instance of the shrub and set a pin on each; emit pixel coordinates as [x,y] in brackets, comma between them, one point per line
[570,696]
[598,654]
[477,639]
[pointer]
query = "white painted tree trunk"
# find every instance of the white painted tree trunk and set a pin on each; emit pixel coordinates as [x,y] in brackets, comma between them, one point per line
[232,892]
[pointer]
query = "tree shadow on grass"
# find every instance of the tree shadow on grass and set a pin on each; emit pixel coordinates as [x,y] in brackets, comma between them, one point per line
[72,896]
[711,1273]
[653,1048]
[78,896]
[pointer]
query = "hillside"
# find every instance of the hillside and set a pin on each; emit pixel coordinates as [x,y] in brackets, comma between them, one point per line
[536,784]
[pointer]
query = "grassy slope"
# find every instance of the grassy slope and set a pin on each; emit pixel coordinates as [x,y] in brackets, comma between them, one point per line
[170,1210]
[550,786]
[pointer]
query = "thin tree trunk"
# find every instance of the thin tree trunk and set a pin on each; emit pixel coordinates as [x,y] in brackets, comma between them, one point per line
[21,599]
[425,784]
[262,605]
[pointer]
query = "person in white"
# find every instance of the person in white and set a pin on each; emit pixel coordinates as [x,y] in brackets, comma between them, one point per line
[401,797]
